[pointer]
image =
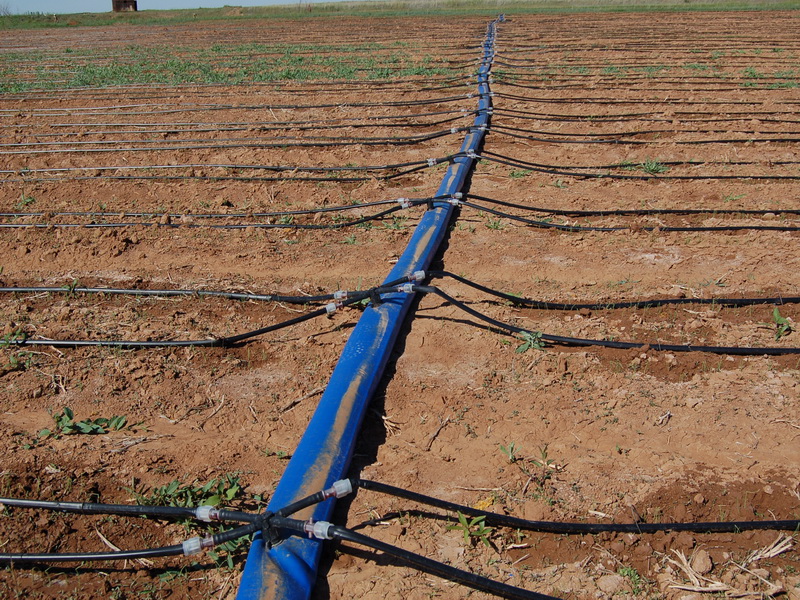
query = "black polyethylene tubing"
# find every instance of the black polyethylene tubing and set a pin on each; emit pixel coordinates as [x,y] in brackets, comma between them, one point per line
[575,528]
[92,556]
[660,228]
[632,211]
[427,565]
[573,341]
[94,508]
[732,302]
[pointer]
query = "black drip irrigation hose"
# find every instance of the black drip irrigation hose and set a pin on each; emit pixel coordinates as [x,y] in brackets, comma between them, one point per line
[582,342]
[277,526]
[633,212]
[217,107]
[546,138]
[424,564]
[574,528]
[311,124]
[645,116]
[645,228]
[580,173]
[651,303]
[169,223]
[82,147]
[401,169]
[344,299]
[173,293]
[204,216]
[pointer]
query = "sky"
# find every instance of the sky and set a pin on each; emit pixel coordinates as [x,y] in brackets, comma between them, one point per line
[78,6]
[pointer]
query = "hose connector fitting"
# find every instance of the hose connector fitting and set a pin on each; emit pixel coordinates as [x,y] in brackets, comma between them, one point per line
[318,529]
[406,288]
[206,514]
[432,162]
[340,295]
[339,489]
[196,545]
[404,202]
[417,277]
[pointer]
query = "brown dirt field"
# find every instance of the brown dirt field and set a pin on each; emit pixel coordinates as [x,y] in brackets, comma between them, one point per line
[666,436]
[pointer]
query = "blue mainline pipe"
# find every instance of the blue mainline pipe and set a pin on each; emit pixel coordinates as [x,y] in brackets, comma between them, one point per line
[287,571]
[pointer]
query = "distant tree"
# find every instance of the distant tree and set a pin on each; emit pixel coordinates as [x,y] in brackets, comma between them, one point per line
[5,9]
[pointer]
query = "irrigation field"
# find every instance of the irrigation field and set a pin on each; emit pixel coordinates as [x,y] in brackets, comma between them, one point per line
[634,204]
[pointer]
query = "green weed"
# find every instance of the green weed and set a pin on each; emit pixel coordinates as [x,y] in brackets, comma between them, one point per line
[24,201]
[495,224]
[510,451]
[632,575]
[65,424]
[472,529]
[783,325]
[530,340]
[652,167]
[217,491]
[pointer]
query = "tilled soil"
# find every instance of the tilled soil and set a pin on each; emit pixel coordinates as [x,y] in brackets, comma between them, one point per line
[165,189]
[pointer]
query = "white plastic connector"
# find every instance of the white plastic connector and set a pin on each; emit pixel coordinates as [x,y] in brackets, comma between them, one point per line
[471,154]
[417,276]
[318,529]
[321,530]
[340,295]
[457,195]
[406,288]
[330,308]
[192,546]
[432,162]
[342,488]
[454,130]
[404,202]
[454,201]
[206,513]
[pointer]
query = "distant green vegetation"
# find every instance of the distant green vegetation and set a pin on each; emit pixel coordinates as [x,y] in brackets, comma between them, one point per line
[302,10]
[221,63]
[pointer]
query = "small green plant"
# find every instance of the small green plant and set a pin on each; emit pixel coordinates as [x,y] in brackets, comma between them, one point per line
[472,529]
[510,451]
[213,493]
[519,173]
[653,167]
[24,201]
[282,454]
[65,424]
[783,325]
[752,73]
[530,339]
[733,197]
[545,465]
[18,361]
[633,576]
[350,240]
[396,223]
[495,224]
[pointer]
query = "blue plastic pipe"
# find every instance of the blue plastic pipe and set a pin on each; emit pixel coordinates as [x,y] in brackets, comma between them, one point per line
[287,571]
